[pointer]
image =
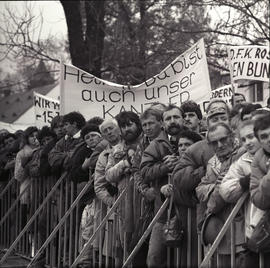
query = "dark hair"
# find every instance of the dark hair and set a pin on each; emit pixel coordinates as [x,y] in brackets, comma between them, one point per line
[19,133]
[89,128]
[45,132]
[124,118]
[172,106]
[236,109]
[95,120]
[191,106]
[148,112]
[237,94]
[9,135]
[56,121]
[248,109]
[28,132]
[268,101]
[191,135]
[76,117]
[220,124]
[261,111]
[261,124]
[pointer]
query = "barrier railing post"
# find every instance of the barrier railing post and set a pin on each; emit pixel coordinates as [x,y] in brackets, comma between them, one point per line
[60,223]
[199,248]
[232,245]
[189,237]
[261,257]
[146,233]
[224,229]
[24,230]
[103,222]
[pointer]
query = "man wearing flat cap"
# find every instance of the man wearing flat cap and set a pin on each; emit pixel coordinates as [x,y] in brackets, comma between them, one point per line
[188,173]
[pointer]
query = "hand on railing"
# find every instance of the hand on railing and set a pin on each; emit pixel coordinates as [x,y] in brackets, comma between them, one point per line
[170,161]
[149,194]
[244,182]
[167,190]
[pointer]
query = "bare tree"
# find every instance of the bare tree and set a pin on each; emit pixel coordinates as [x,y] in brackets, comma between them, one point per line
[21,37]
[127,41]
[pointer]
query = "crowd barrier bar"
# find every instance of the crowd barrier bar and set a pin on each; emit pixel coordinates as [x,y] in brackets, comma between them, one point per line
[15,203]
[103,222]
[61,222]
[12,247]
[146,233]
[10,182]
[222,232]
[111,225]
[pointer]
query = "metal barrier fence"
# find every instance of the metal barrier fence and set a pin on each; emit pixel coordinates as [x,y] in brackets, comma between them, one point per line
[52,230]
[230,223]
[9,226]
[23,217]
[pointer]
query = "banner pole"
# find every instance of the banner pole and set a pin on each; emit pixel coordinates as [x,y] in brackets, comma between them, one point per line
[62,111]
[231,75]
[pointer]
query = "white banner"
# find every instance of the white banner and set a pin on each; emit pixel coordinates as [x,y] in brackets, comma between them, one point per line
[186,78]
[224,93]
[45,109]
[249,62]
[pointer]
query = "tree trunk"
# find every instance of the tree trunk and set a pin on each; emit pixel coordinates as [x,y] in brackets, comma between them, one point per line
[77,46]
[86,52]
[95,32]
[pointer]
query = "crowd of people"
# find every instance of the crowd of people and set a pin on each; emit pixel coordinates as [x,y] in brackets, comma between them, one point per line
[202,163]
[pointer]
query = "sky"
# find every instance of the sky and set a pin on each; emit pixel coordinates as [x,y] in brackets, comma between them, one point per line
[54,22]
[53,14]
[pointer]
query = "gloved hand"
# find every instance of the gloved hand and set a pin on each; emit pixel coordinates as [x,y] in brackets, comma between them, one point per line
[149,194]
[244,182]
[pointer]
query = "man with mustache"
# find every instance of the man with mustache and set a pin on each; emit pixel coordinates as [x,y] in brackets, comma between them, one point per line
[119,168]
[158,160]
[192,115]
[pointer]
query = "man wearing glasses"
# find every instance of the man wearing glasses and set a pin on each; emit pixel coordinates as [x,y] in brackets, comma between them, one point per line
[221,138]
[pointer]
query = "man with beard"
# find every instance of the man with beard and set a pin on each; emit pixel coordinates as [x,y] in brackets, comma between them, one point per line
[118,168]
[158,160]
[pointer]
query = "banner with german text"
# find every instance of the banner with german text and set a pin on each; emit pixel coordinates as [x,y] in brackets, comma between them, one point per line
[249,62]
[186,78]
[45,109]
[225,93]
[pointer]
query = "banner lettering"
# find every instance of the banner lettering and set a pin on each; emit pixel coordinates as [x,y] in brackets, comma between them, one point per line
[186,78]
[45,109]
[249,62]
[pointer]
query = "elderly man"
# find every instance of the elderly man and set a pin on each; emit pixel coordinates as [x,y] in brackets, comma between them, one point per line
[104,190]
[221,138]
[188,173]
[158,160]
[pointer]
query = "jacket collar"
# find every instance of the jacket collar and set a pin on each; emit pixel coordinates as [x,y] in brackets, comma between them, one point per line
[247,157]
[75,136]
[163,136]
